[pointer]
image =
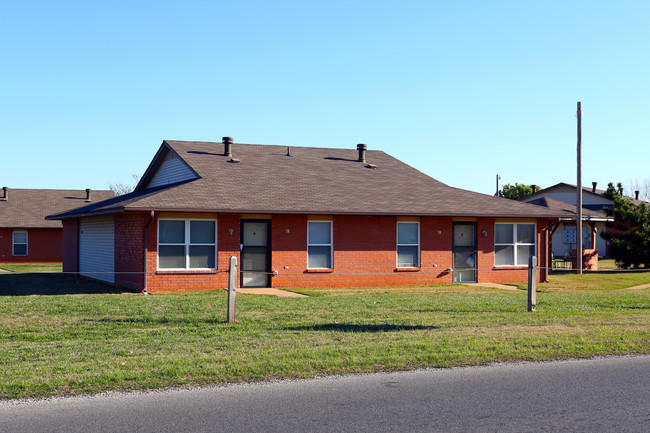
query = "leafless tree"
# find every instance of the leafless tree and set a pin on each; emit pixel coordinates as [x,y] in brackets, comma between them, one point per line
[638,185]
[121,188]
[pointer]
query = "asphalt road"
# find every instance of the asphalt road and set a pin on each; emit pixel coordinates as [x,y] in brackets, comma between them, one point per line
[599,395]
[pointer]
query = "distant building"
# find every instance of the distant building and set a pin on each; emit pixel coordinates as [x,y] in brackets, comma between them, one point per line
[25,234]
[562,197]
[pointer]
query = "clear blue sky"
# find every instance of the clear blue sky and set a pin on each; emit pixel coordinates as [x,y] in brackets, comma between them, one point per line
[461,90]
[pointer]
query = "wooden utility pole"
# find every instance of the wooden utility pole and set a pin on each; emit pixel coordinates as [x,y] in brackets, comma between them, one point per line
[232,288]
[579,195]
[532,283]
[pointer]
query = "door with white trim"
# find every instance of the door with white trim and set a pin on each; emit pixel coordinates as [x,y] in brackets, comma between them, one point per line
[464,252]
[255,253]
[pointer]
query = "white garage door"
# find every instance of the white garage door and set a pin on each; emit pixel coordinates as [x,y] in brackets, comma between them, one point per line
[97,248]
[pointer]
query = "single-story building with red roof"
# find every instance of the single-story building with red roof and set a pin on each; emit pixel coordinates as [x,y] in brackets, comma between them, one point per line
[299,217]
[25,235]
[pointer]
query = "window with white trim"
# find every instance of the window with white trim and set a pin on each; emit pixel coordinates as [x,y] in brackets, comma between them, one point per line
[408,244]
[319,245]
[187,244]
[514,243]
[19,244]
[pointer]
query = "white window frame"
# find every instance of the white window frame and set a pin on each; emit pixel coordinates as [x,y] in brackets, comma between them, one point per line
[330,245]
[514,243]
[187,244]
[398,244]
[13,243]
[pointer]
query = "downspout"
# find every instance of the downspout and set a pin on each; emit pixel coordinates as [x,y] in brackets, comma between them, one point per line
[146,252]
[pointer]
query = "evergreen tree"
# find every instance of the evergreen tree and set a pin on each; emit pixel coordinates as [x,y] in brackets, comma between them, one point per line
[629,243]
[516,191]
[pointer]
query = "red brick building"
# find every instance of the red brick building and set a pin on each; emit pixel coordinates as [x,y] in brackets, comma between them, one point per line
[299,217]
[25,234]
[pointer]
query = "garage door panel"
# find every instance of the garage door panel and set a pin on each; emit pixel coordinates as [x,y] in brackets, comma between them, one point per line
[97,248]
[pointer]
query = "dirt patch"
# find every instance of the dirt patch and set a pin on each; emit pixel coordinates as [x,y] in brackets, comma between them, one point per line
[273,292]
[642,286]
[494,286]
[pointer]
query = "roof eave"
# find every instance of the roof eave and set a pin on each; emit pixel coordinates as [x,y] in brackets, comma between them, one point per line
[84,214]
[330,212]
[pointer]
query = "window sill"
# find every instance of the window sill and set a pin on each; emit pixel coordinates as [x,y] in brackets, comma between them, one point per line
[185,271]
[407,269]
[509,268]
[319,271]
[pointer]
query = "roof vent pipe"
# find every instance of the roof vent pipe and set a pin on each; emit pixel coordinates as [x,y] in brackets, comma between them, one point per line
[636,195]
[534,187]
[88,195]
[227,146]
[5,196]
[593,186]
[362,152]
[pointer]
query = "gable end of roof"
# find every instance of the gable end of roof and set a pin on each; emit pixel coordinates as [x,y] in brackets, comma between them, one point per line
[166,168]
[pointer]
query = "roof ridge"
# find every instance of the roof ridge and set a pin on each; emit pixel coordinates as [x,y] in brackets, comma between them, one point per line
[293,146]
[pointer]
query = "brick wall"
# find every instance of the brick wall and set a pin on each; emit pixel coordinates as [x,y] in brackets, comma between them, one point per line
[589,259]
[228,245]
[364,253]
[514,274]
[129,253]
[43,245]
[70,245]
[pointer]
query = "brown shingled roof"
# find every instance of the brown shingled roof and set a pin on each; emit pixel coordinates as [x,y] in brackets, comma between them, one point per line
[310,181]
[27,208]
[569,208]
[585,189]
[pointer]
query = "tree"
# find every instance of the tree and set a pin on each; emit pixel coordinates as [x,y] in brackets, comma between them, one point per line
[120,188]
[642,186]
[516,191]
[629,242]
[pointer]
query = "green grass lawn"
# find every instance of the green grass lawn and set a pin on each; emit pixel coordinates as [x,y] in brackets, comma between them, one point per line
[606,264]
[31,267]
[88,343]
[609,264]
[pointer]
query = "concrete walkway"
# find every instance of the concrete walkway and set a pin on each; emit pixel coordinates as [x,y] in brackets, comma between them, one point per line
[506,287]
[272,292]
[493,285]
[642,286]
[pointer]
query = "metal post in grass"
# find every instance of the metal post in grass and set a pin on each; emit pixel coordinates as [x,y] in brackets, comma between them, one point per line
[532,283]
[232,288]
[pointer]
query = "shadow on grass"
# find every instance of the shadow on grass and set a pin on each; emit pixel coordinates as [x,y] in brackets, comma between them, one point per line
[160,321]
[26,284]
[350,327]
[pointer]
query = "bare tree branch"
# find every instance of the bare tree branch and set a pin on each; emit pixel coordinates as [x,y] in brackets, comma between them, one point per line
[120,188]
